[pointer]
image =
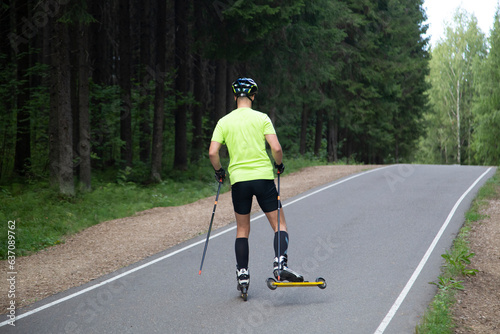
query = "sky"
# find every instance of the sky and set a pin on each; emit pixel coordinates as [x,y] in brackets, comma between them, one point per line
[439,11]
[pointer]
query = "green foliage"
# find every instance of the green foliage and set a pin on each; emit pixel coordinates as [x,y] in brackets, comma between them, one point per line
[454,78]
[8,87]
[258,18]
[43,218]
[36,106]
[298,162]
[123,176]
[364,69]
[456,262]
[438,319]
[446,283]
[76,12]
[251,22]
[487,103]
[360,68]
[105,107]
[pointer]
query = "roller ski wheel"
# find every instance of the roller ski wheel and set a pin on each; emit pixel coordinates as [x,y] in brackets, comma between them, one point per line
[244,291]
[322,281]
[243,278]
[270,283]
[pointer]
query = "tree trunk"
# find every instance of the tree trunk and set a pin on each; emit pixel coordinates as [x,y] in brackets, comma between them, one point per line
[349,149]
[319,132]
[100,45]
[84,147]
[396,150]
[5,26]
[6,15]
[303,129]
[332,141]
[145,67]
[64,116]
[220,88]
[197,116]
[159,113]
[125,82]
[181,64]
[197,144]
[23,134]
[230,103]
[53,111]
[272,115]
[74,61]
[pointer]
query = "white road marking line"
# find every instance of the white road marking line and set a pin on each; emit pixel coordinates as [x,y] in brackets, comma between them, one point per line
[392,312]
[90,288]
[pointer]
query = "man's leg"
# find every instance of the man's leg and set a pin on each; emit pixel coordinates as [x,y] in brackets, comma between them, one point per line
[241,244]
[242,203]
[272,217]
[241,249]
[283,235]
[242,225]
[280,264]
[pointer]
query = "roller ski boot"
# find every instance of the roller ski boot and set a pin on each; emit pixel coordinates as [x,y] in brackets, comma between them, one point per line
[243,278]
[285,277]
[283,273]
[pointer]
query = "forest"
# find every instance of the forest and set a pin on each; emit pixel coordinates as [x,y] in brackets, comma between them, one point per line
[137,87]
[462,121]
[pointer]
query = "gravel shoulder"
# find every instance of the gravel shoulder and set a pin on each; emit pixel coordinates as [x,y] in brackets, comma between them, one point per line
[478,306]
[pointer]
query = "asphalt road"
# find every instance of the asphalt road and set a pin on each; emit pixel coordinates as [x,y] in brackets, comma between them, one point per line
[376,237]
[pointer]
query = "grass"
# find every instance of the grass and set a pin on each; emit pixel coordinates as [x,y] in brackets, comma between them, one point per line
[438,318]
[43,218]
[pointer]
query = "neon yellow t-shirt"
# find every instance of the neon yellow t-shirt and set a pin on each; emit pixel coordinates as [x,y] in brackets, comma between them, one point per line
[243,132]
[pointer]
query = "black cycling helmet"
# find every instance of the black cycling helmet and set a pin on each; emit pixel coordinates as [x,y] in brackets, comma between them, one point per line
[244,87]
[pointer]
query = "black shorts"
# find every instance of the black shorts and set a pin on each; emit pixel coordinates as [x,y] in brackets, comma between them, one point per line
[264,190]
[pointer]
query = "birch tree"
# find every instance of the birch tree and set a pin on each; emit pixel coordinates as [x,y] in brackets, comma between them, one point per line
[452,78]
[486,111]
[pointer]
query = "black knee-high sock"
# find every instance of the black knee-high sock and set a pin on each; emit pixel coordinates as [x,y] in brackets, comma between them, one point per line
[242,250]
[283,243]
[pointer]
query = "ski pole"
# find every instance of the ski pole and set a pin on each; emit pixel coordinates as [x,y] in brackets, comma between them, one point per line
[279,234]
[210,227]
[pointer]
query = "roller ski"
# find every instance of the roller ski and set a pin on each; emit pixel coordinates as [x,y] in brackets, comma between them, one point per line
[286,277]
[243,278]
[283,275]
[273,284]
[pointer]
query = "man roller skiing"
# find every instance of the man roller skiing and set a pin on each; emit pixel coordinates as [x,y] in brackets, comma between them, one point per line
[245,132]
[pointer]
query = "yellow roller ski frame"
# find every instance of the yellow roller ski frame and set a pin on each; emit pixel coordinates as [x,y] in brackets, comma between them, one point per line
[273,284]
